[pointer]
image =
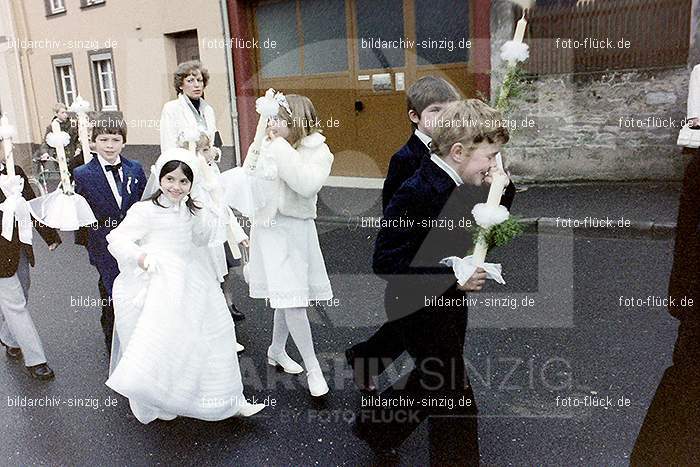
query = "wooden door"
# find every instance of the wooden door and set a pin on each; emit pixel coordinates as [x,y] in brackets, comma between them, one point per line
[328,51]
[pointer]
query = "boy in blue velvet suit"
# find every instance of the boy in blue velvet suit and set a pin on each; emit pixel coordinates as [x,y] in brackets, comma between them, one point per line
[425,100]
[111,184]
[423,300]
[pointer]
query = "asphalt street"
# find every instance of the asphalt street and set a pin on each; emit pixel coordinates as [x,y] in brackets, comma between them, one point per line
[555,333]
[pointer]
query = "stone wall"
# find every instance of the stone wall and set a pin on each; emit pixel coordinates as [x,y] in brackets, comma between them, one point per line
[617,126]
[581,123]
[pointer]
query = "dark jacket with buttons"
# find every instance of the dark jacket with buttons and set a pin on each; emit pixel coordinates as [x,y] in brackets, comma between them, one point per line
[10,250]
[424,223]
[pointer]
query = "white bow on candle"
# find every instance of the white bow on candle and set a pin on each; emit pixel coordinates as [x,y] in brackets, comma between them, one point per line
[15,208]
[62,209]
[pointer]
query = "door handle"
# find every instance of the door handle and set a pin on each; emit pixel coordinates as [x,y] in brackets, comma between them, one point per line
[359,106]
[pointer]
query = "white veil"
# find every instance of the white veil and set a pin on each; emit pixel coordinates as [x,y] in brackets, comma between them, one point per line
[173,154]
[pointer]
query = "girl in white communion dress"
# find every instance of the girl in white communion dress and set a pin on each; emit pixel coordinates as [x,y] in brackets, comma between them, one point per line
[286,264]
[172,353]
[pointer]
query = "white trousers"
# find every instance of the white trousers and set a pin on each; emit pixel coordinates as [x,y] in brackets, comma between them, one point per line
[16,325]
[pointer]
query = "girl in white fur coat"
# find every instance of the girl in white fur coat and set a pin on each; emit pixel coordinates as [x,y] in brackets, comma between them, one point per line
[286,265]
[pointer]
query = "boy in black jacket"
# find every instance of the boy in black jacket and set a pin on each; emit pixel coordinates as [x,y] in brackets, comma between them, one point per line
[425,100]
[422,297]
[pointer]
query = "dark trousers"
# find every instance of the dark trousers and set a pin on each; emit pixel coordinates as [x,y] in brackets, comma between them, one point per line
[435,339]
[381,349]
[107,317]
[670,434]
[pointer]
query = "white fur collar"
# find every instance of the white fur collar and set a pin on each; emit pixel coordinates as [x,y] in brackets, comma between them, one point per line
[313,140]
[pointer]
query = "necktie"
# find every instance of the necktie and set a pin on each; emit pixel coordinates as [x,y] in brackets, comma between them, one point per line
[117,178]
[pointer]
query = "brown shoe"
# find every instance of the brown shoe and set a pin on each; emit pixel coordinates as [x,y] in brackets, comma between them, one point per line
[41,372]
[13,353]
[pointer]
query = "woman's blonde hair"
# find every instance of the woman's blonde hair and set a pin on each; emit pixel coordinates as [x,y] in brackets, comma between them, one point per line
[303,120]
[468,122]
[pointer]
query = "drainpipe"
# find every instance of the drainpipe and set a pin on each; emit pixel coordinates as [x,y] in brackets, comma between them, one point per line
[231,83]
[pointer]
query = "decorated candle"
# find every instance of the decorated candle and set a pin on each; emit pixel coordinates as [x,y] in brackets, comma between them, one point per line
[499,180]
[60,139]
[80,106]
[7,133]
[266,106]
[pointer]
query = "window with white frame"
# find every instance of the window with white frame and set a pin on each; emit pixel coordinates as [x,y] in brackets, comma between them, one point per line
[64,75]
[86,3]
[57,6]
[103,81]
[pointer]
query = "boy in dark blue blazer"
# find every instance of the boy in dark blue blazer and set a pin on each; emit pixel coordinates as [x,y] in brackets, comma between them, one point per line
[425,98]
[423,299]
[111,184]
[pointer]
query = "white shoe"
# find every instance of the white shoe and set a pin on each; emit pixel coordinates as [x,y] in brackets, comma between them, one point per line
[317,383]
[239,348]
[248,409]
[285,361]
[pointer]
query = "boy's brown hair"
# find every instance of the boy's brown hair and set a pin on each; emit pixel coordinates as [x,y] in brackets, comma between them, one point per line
[429,90]
[469,122]
[303,120]
[108,123]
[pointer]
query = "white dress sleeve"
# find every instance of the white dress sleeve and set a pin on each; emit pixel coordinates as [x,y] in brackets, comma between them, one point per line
[208,225]
[124,241]
[305,177]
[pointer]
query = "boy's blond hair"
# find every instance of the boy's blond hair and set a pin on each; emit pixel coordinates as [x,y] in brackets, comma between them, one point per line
[202,143]
[469,122]
[58,106]
[303,120]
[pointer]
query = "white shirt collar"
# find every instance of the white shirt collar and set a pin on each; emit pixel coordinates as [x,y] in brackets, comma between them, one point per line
[448,170]
[423,137]
[103,162]
[2,166]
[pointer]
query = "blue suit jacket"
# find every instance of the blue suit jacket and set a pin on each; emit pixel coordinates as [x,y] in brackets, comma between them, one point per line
[91,183]
[402,166]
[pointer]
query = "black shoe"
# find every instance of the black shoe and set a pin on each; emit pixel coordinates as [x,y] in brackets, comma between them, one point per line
[361,375]
[41,372]
[235,314]
[13,353]
[385,453]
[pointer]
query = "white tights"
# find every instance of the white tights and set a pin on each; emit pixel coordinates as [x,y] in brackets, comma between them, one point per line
[295,322]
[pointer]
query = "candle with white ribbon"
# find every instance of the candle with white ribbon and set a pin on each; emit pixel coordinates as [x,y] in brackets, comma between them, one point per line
[267,107]
[499,181]
[7,132]
[80,106]
[60,139]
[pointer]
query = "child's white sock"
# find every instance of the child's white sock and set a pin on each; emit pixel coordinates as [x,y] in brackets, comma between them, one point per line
[279,332]
[299,328]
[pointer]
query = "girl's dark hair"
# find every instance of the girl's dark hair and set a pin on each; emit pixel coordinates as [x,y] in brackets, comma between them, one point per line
[167,168]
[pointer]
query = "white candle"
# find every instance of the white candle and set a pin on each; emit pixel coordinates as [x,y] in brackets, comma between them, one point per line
[7,146]
[62,164]
[520,29]
[83,136]
[253,153]
[80,106]
[499,180]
